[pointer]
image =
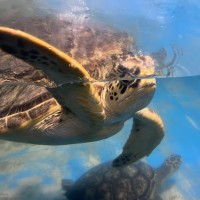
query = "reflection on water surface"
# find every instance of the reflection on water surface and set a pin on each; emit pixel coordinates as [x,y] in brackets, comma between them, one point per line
[35,172]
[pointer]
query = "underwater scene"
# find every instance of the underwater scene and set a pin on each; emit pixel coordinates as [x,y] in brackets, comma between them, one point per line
[99,100]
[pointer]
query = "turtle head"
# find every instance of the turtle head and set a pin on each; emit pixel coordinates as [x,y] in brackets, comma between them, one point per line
[129,93]
[170,165]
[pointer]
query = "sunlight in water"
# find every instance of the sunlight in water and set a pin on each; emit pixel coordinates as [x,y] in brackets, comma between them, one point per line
[112,47]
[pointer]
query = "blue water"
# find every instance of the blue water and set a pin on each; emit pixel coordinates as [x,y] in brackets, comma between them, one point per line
[35,172]
[157,24]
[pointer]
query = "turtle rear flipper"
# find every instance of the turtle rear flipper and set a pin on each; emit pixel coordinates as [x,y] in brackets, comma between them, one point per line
[66,184]
[147,133]
[81,98]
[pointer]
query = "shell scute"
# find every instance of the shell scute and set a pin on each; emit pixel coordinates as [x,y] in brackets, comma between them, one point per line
[17,120]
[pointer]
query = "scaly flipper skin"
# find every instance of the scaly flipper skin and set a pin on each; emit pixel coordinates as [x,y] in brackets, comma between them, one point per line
[60,68]
[146,134]
[56,64]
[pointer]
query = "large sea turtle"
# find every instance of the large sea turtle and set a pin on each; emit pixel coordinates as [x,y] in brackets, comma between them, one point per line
[137,181]
[74,106]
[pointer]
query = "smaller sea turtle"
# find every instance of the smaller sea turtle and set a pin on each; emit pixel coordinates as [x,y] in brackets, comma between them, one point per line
[137,181]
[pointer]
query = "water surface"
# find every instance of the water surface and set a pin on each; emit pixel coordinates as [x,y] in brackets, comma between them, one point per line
[35,172]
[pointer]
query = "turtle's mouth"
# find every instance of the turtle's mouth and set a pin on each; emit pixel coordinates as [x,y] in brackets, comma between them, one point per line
[150,86]
[131,83]
[134,83]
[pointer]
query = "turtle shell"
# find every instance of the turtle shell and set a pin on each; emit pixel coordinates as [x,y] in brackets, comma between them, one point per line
[92,44]
[104,182]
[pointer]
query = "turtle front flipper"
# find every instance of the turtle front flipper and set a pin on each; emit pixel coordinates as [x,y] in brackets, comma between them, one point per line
[80,98]
[146,134]
[56,64]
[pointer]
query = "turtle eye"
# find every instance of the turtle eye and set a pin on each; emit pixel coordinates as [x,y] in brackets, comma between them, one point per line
[121,68]
[122,71]
[131,83]
[135,83]
[127,82]
[137,71]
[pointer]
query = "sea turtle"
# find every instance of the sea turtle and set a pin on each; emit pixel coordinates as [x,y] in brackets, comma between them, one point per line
[137,181]
[74,106]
